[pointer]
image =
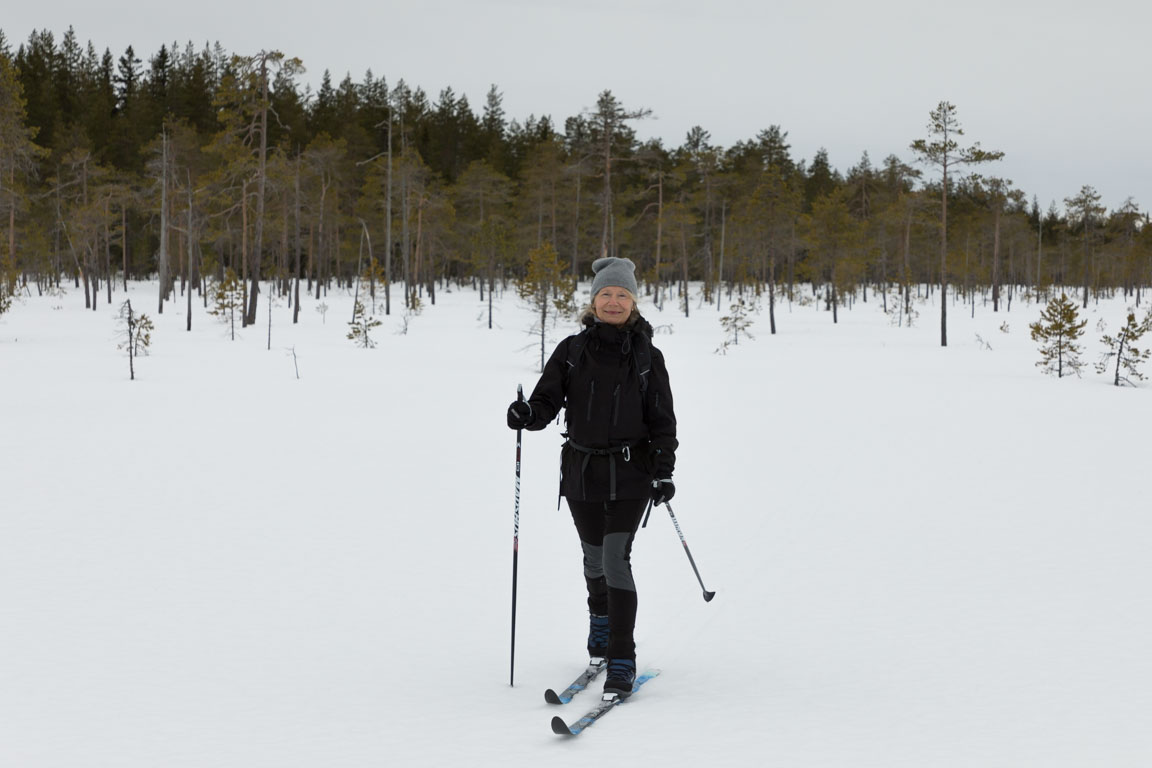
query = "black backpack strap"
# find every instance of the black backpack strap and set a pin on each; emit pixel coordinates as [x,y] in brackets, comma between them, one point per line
[575,351]
[576,345]
[642,352]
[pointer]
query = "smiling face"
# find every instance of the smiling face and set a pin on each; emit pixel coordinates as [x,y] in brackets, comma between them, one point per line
[613,305]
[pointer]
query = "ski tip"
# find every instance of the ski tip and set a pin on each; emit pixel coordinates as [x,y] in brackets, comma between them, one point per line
[560,728]
[645,676]
[708,596]
[552,697]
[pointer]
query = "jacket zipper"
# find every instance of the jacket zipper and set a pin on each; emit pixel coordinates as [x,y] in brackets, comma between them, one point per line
[615,404]
[591,397]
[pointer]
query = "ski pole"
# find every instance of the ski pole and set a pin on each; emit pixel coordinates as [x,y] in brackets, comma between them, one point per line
[515,544]
[707,595]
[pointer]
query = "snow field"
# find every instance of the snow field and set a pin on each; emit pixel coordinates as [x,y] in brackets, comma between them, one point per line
[922,556]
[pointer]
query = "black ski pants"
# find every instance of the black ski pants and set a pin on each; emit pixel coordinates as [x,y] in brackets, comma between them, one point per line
[607,529]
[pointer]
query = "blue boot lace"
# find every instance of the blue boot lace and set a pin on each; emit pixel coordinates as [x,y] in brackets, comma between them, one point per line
[598,635]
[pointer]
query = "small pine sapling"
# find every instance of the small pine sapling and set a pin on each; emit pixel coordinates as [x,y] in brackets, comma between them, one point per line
[1057,331]
[1122,347]
[544,286]
[137,330]
[361,326]
[735,323]
[414,307]
[227,297]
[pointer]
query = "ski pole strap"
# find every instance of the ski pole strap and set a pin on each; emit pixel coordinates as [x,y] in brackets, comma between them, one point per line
[647,513]
[610,453]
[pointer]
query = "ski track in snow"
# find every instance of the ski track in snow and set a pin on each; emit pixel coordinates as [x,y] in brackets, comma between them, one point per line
[922,556]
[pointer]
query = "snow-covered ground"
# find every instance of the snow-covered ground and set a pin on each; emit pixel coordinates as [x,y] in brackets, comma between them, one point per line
[923,556]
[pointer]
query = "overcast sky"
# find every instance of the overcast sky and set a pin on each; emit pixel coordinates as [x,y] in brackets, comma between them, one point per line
[1059,86]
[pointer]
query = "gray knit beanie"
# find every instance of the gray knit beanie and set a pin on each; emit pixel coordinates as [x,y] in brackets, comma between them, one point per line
[615,272]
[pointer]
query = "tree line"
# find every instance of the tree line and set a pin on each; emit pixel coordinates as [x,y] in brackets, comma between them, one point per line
[200,166]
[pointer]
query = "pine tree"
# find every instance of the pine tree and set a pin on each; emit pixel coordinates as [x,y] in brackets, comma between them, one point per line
[544,285]
[943,151]
[1057,331]
[1083,210]
[18,157]
[244,103]
[1128,356]
[613,140]
[836,239]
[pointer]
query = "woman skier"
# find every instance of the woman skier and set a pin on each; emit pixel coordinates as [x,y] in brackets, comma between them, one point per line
[619,453]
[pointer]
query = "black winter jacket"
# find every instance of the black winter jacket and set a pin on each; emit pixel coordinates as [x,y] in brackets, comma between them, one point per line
[618,440]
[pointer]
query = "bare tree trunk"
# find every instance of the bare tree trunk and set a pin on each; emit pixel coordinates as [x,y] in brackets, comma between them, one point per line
[419,243]
[181,262]
[163,266]
[684,267]
[552,189]
[996,260]
[12,217]
[908,266]
[543,326]
[296,224]
[261,184]
[124,240]
[604,244]
[371,259]
[944,259]
[832,295]
[791,259]
[405,242]
[1040,254]
[108,248]
[720,273]
[191,258]
[1087,271]
[244,249]
[388,221]
[320,241]
[772,294]
[131,342]
[659,232]
[284,284]
[576,231]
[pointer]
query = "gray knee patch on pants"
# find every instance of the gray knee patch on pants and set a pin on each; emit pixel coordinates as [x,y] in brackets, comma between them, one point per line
[617,567]
[593,560]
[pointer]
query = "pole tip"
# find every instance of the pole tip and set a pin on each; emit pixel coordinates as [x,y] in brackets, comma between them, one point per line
[708,596]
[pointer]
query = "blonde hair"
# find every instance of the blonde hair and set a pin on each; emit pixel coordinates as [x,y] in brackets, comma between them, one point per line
[589,312]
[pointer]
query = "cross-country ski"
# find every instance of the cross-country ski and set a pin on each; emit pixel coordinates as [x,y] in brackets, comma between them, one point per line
[595,667]
[607,703]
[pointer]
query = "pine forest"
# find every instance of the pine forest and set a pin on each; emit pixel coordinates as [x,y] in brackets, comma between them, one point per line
[198,168]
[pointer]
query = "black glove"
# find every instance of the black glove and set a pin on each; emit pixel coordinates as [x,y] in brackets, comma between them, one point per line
[520,415]
[663,490]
